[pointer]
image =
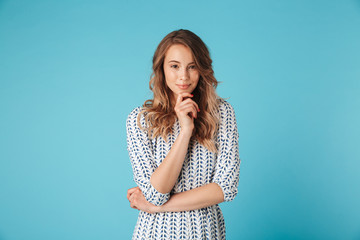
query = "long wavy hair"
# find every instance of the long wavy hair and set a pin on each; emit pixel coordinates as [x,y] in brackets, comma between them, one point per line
[159,112]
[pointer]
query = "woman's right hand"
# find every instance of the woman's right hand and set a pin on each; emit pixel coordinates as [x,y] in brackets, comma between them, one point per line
[186,110]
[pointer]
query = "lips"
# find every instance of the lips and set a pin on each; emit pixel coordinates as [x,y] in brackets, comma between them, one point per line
[183,86]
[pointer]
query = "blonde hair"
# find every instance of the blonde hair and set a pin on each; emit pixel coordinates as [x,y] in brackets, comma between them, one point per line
[159,112]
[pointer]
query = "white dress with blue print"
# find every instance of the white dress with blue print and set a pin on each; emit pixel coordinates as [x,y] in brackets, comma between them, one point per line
[200,168]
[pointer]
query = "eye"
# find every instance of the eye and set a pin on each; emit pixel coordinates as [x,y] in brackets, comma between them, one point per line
[192,67]
[174,66]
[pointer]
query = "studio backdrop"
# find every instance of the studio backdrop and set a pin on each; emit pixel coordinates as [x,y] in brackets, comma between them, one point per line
[71,72]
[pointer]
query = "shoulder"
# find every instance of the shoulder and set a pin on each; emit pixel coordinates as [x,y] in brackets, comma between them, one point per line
[134,113]
[225,108]
[228,123]
[136,118]
[133,116]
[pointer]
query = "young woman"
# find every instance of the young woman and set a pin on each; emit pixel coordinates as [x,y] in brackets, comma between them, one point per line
[183,146]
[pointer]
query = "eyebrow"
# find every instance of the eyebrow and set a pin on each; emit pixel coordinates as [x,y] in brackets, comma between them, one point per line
[179,62]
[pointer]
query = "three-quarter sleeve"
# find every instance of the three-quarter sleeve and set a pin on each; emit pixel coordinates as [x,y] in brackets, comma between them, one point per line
[227,166]
[142,159]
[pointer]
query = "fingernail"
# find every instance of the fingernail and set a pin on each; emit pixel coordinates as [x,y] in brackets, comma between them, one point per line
[192,95]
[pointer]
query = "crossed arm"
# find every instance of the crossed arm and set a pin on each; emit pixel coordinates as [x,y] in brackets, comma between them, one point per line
[155,183]
[196,198]
[165,176]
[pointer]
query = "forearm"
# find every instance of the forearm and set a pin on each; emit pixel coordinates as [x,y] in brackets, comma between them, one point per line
[196,198]
[165,176]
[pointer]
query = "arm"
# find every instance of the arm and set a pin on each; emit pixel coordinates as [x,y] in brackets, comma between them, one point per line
[224,184]
[204,196]
[166,175]
[142,159]
[227,168]
[156,182]
[196,198]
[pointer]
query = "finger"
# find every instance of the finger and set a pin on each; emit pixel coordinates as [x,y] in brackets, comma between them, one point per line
[189,100]
[135,194]
[131,197]
[178,100]
[186,95]
[131,191]
[182,96]
[132,205]
[194,112]
[188,109]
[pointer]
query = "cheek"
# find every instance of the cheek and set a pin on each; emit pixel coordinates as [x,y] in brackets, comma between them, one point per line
[195,76]
[169,78]
[169,75]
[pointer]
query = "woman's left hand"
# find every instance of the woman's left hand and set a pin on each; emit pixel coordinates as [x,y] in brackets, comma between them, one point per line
[138,201]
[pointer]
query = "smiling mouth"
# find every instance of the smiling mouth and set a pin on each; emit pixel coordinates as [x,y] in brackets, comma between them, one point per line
[183,86]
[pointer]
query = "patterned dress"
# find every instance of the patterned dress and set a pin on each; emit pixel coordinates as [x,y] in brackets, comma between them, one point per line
[200,168]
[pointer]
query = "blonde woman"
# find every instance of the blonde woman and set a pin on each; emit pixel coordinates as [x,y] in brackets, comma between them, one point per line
[183,146]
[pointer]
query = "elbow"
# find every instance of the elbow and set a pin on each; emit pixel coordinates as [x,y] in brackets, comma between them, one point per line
[157,200]
[155,197]
[228,192]
[230,195]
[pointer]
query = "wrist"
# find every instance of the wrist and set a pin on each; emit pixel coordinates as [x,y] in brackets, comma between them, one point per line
[156,209]
[186,131]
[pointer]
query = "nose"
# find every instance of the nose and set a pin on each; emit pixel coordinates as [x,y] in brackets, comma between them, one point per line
[184,74]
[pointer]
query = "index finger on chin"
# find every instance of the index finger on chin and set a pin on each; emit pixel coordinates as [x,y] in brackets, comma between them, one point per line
[179,99]
[185,94]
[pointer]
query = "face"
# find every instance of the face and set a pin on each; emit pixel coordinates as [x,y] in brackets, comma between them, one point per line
[180,70]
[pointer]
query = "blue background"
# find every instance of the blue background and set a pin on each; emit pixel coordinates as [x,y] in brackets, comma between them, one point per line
[71,71]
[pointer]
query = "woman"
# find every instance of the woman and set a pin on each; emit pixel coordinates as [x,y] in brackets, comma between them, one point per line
[183,146]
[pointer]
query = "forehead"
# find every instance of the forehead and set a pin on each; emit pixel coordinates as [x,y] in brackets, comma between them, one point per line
[179,52]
